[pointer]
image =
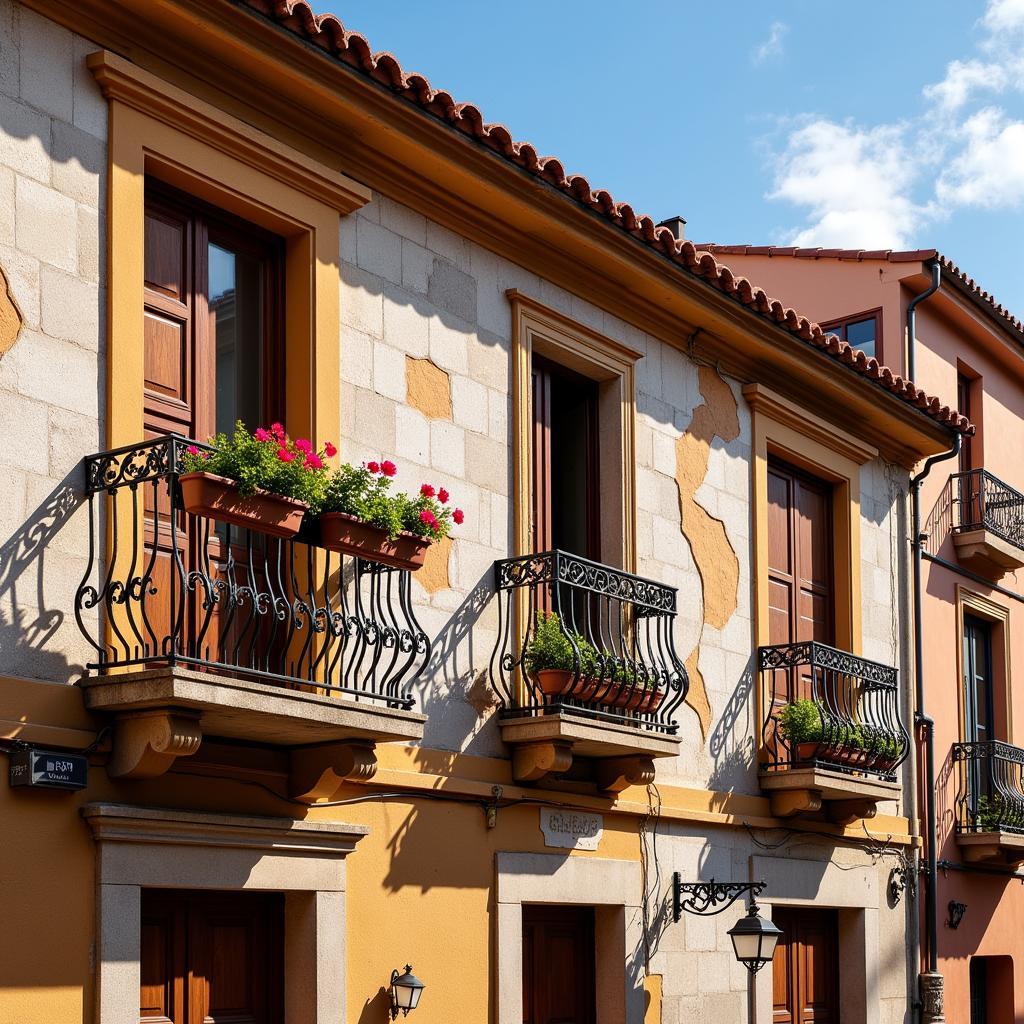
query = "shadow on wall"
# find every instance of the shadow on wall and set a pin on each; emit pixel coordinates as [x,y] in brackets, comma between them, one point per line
[945,792]
[454,690]
[733,741]
[27,624]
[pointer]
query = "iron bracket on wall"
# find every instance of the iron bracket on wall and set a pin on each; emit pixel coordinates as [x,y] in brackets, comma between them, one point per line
[956,914]
[708,898]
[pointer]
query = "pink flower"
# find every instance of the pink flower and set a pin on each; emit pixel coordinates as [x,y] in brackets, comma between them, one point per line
[458,515]
[303,445]
[277,430]
[329,450]
[313,461]
[284,455]
[262,435]
[192,450]
[443,496]
[388,468]
[373,467]
[428,517]
[427,491]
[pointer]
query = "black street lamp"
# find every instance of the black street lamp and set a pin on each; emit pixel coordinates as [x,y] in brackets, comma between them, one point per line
[754,939]
[406,990]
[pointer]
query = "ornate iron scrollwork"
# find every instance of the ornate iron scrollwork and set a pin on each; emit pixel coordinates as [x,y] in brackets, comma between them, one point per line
[706,899]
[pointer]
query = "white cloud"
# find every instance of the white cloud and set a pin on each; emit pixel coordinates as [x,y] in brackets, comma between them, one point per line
[963,78]
[855,182]
[773,45]
[877,186]
[1004,16]
[989,169]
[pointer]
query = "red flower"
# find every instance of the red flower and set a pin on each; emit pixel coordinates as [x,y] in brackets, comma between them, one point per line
[426,515]
[277,430]
[303,445]
[284,455]
[388,468]
[427,491]
[373,467]
[192,450]
[329,450]
[458,515]
[263,435]
[443,496]
[313,461]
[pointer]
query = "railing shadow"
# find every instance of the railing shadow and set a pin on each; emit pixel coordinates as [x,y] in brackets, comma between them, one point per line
[29,627]
[735,753]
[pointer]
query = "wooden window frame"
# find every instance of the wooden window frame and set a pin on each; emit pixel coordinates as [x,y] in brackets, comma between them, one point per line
[969,602]
[845,321]
[159,131]
[560,339]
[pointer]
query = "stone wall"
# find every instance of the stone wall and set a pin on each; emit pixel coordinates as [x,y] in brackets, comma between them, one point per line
[53,124]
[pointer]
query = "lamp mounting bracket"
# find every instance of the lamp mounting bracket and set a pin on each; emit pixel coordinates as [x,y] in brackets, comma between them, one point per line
[708,898]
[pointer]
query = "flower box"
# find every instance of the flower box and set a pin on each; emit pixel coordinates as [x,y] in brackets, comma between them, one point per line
[632,698]
[217,497]
[342,532]
[816,751]
[557,682]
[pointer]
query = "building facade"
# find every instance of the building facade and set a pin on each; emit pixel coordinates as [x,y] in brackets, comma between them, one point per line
[968,351]
[307,770]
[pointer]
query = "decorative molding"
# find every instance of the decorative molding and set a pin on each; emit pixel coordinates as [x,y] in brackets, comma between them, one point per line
[770,403]
[614,774]
[147,743]
[532,762]
[122,81]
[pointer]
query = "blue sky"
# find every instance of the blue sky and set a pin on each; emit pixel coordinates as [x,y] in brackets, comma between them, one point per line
[871,124]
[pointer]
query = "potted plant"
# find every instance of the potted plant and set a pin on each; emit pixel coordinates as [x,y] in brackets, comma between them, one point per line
[262,480]
[553,663]
[359,515]
[634,689]
[801,727]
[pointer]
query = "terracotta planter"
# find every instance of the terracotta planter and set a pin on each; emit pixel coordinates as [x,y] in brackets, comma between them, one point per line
[557,682]
[342,532]
[812,750]
[217,497]
[624,695]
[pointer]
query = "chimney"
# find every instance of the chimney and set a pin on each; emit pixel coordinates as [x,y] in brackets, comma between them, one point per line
[677,225]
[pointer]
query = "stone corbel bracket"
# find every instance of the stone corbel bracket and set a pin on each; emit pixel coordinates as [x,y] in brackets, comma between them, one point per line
[318,773]
[147,743]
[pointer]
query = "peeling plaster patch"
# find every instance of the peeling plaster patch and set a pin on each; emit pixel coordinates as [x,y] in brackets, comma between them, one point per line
[10,315]
[713,554]
[481,697]
[433,576]
[428,388]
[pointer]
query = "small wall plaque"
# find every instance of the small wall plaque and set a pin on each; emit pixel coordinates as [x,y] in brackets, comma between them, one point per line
[49,769]
[571,830]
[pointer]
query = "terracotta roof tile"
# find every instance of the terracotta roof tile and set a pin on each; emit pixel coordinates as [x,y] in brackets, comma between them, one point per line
[328,33]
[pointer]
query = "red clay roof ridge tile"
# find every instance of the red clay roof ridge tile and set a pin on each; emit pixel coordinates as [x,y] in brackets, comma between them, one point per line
[327,32]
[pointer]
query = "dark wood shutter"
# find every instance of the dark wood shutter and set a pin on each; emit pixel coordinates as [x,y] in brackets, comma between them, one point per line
[801,605]
[212,957]
[805,971]
[558,965]
[963,404]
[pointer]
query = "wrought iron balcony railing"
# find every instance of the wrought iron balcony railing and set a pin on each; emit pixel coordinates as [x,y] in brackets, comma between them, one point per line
[576,635]
[830,709]
[990,787]
[977,500]
[173,588]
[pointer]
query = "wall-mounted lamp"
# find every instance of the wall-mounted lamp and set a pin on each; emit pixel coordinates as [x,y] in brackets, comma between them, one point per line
[754,939]
[406,990]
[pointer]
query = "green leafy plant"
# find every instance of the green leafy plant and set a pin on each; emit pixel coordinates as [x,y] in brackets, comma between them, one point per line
[550,647]
[996,813]
[364,492]
[800,722]
[266,459]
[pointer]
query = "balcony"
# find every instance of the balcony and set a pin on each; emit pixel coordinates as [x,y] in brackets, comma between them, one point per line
[832,736]
[587,671]
[200,626]
[987,520]
[989,804]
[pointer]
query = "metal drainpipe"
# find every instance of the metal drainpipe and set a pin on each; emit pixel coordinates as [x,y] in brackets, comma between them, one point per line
[912,317]
[921,719]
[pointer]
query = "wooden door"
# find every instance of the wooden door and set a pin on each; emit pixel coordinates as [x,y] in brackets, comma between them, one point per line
[212,958]
[212,354]
[805,971]
[558,965]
